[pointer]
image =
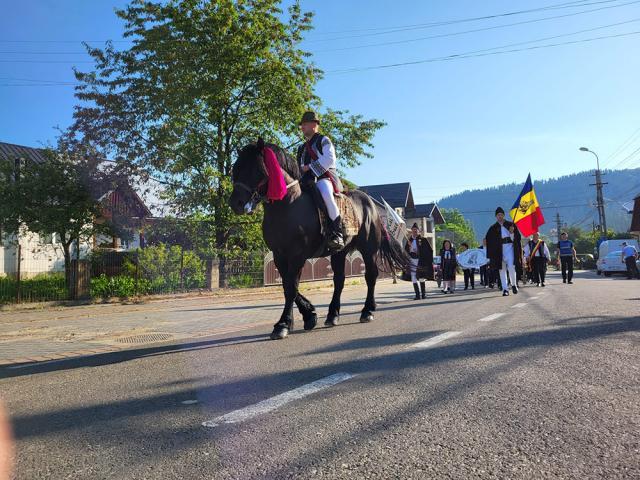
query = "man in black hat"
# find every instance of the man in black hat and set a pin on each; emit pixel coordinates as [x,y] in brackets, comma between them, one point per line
[317,159]
[504,250]
[421,254]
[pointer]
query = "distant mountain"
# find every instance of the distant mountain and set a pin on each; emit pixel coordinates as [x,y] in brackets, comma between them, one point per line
[572,196]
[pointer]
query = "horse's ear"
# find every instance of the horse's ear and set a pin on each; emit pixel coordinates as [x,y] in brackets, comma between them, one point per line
[260,143]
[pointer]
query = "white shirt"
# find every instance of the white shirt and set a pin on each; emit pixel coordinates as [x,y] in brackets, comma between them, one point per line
[629,251]
[326,159]
[414,245]
[541,251]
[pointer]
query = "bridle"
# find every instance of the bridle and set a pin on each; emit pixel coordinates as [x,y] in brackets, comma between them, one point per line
[256,196]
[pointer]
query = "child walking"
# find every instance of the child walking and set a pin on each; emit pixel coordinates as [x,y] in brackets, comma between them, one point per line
[449,264]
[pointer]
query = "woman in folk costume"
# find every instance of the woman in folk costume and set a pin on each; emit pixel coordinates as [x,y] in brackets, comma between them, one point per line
[421,255]
[504,250]
[449,263]
[317,160]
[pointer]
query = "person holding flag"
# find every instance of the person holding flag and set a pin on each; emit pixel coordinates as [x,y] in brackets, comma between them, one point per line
[504,250]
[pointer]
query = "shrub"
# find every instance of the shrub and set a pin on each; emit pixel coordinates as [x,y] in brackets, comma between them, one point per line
[43,287]
[121,286]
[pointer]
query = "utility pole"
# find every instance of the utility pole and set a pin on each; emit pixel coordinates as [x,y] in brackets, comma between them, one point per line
[558,225]
[599,196]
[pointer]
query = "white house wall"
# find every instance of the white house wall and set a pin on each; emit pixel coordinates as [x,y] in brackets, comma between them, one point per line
[37,258]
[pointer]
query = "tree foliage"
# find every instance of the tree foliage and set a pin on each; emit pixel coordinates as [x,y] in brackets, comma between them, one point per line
[457,227]
[201,79]
[57,196]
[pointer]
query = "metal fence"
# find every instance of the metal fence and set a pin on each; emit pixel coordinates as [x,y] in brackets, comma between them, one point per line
[30,274]
[38,274]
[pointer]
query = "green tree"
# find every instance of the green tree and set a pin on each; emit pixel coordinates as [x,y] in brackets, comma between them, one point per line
[57,196]
[457,228]
[201,79]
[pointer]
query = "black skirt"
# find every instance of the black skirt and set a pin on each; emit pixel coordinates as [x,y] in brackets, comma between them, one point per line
[448,269]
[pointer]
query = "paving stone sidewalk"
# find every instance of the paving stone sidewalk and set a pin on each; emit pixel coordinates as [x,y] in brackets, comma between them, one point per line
[67,332]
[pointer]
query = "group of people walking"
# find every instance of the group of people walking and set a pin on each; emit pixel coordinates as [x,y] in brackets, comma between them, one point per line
[509,261]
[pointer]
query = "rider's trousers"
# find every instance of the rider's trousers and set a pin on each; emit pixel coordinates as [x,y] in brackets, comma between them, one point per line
[326,190]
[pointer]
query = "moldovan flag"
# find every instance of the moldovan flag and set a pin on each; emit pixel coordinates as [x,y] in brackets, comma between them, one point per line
[526,212]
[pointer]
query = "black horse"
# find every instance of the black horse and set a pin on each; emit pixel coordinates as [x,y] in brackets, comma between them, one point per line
[292,230]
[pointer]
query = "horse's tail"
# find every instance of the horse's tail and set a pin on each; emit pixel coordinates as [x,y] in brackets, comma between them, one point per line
[393,255]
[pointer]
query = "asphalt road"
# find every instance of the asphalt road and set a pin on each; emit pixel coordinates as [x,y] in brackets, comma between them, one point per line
[441,388]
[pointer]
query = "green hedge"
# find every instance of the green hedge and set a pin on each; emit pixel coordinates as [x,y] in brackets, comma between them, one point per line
[43,287]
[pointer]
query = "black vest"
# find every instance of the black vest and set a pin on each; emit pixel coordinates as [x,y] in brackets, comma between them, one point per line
[303,157]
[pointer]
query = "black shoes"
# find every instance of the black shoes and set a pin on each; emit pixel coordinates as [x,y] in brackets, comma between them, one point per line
[423,290]
[505,293]
[514,289]
[570,281]
[542,284]
[417,290]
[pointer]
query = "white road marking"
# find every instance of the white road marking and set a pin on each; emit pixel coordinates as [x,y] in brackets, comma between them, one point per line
[492,317]
[519,305]
[189,402]
[434,340]
[534,298]
[278,401]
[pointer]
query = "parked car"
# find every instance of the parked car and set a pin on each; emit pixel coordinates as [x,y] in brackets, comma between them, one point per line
[611,263]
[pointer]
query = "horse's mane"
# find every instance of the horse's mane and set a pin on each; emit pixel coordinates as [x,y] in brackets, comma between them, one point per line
[249,155]
[286,161]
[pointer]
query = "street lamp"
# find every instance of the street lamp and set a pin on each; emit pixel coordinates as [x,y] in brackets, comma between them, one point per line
[599,196]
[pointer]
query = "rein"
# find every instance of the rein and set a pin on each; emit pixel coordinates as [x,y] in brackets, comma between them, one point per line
[256,196]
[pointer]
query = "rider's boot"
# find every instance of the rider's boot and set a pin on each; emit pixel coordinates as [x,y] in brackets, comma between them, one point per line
[423,290]
[417,290]
[336,240]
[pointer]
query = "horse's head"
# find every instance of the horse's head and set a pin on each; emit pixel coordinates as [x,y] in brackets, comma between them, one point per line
[249,177]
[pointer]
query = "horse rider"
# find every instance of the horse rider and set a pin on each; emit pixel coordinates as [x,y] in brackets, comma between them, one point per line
[317,159]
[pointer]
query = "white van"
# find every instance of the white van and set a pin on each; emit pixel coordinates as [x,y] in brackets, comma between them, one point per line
[610,246]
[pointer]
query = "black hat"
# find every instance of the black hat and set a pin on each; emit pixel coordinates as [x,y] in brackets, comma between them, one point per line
[310,117]
[415,225]
[499,210]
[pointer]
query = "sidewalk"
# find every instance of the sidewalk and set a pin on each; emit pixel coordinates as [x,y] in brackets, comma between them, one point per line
[65,332]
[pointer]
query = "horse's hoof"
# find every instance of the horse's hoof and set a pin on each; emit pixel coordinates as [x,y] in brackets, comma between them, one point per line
[310,322]
[331,321]
[279,332]
[366,318]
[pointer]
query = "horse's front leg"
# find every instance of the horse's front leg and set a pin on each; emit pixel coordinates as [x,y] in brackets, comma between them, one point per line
[285,324]
[337,265]
[307,310]
[370,275]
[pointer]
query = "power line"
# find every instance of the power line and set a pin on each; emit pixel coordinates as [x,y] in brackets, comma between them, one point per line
[475,54]
[576,4]
[486,17]
[494,27]
[623,146]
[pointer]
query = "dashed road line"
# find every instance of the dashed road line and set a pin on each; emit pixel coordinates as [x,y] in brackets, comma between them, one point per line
[492,317]
[435,340]
[278,401]
[519,305]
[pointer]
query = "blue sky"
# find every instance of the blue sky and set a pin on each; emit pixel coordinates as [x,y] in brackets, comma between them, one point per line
[452,125]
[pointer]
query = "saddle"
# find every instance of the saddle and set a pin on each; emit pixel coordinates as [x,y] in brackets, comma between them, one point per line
[348,215]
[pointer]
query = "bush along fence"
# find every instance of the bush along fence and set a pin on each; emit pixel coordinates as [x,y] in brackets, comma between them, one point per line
[103,274]
[34,276]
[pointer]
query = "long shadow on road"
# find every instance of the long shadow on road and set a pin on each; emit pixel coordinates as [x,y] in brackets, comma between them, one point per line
[95,418]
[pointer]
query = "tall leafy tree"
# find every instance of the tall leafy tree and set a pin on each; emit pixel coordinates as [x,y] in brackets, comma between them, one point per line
[59,196]
[458,227]
[201,79]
